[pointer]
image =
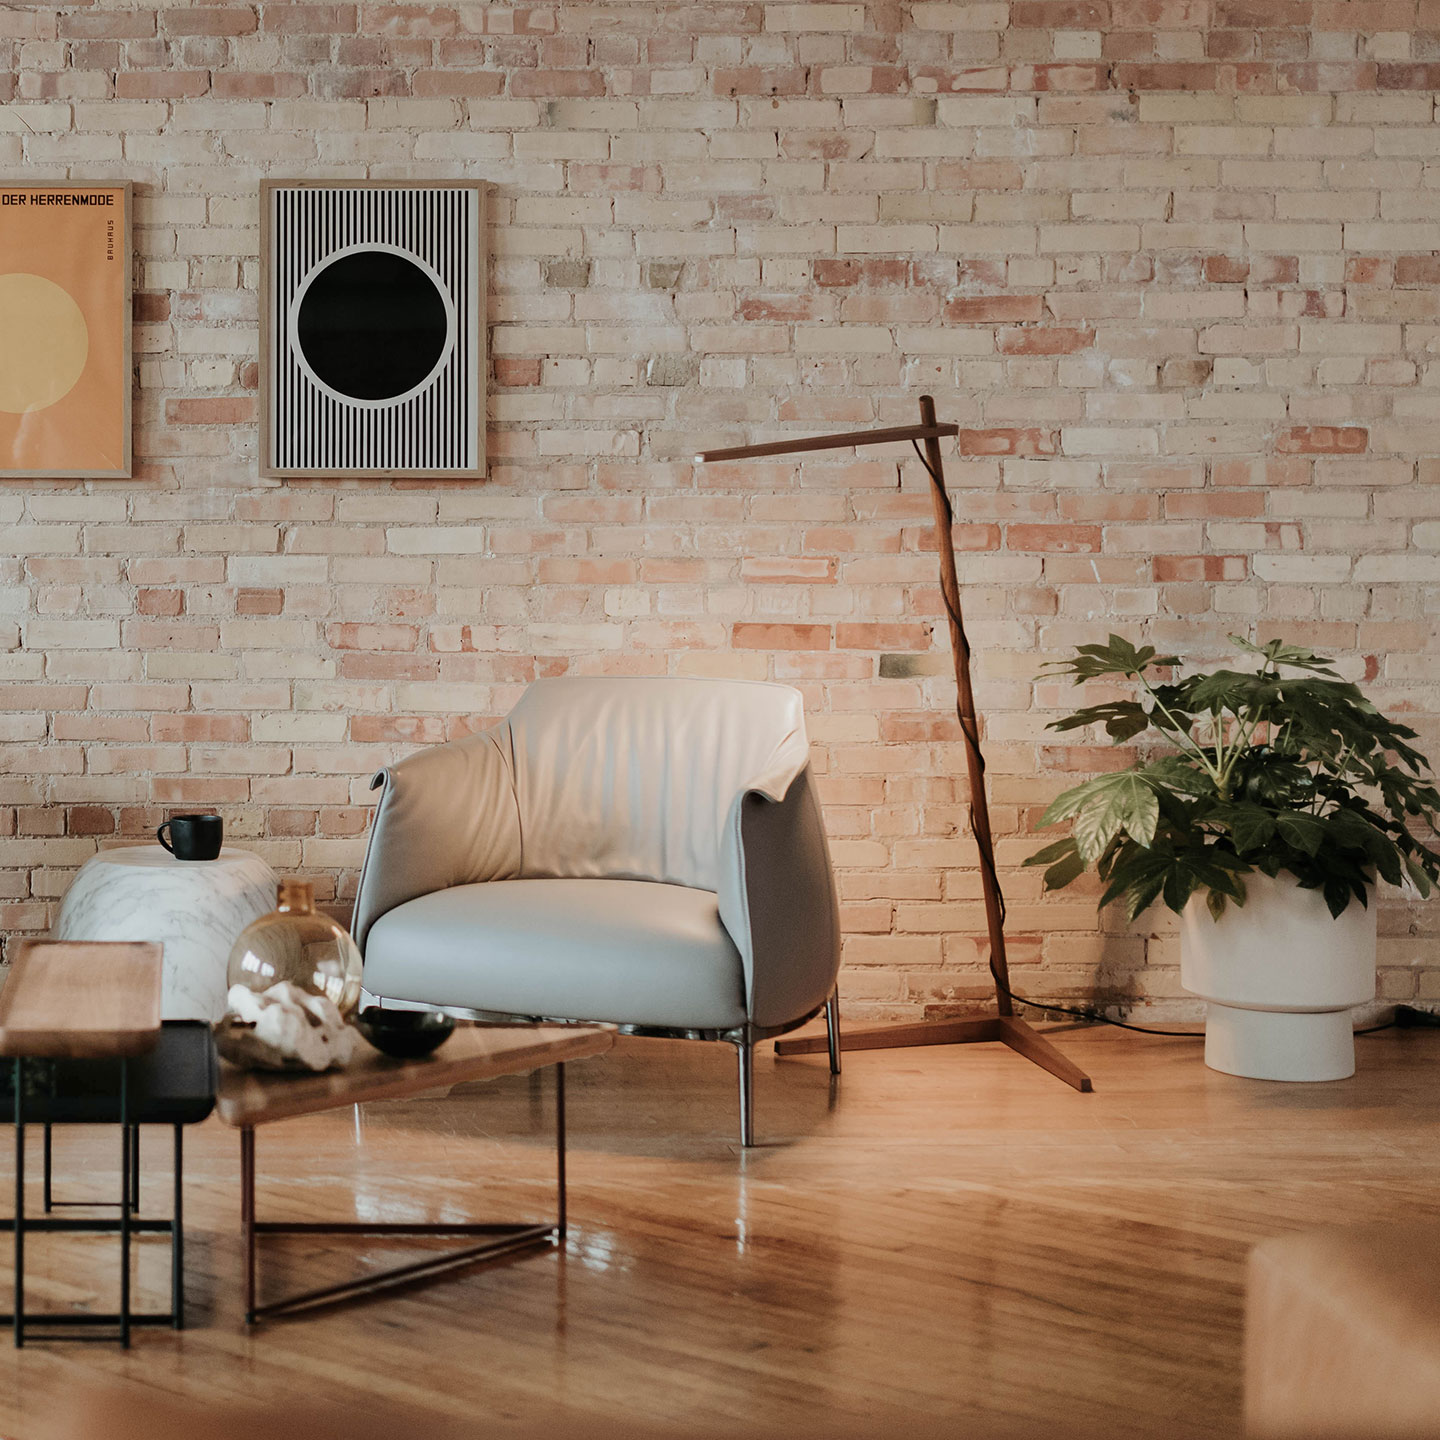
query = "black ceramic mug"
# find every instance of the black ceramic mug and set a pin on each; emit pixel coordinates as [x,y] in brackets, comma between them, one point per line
[193,837]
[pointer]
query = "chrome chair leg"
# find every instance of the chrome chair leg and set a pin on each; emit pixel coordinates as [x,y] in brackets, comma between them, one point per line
[745,1053]
[832,1029]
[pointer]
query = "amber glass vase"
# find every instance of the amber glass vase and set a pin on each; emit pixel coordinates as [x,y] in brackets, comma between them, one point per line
[297,943]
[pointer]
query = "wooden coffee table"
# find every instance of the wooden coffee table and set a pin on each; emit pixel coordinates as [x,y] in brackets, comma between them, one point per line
[248,1099]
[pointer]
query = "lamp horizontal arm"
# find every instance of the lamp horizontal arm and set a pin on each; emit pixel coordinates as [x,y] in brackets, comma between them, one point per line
[831,442]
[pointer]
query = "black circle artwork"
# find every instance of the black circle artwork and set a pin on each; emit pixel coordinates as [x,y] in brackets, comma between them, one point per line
[372,325]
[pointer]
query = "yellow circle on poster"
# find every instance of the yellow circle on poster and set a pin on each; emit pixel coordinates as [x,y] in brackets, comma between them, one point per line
[43,343]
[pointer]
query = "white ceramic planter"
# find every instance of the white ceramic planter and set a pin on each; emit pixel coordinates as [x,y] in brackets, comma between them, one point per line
[1281,977]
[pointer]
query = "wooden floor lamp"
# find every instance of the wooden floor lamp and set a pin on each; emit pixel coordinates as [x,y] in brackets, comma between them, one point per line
[1004,1025]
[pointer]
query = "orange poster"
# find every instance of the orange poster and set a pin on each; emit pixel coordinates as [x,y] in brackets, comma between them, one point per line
[65,330]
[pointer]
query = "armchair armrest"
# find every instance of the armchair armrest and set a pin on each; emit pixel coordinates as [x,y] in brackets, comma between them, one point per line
[447,816]
[777,898]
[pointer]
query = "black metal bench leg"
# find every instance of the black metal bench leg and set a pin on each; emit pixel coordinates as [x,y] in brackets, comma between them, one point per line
[19,1311]
[177,1235]
[49,1146]
[135,1168]
[126,1152]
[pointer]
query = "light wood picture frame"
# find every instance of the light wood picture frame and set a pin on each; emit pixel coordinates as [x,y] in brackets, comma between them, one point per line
[373,355]
[66,380]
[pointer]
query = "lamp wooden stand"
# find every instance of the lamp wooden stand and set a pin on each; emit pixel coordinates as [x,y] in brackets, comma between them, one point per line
[1004,1026]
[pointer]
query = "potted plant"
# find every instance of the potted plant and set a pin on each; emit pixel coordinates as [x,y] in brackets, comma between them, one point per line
[1277,797]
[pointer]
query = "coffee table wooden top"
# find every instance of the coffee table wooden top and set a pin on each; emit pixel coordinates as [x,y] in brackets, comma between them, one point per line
[81,1000]
[481,1052]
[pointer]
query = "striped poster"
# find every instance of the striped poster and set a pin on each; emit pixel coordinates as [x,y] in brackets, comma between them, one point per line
[375,327]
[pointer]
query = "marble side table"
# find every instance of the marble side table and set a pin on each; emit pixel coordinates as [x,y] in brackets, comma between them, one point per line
[195,908]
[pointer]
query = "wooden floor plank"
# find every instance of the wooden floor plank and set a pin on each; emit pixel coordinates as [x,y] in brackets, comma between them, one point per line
[946,1233]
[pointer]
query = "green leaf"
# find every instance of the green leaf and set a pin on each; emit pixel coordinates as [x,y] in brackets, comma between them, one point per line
[1418,875]
[1120,801]
[1142,895]
[1277,652]
[1302,831]
[1215,902]
[1121,718]
[1250,826]
[1337,897]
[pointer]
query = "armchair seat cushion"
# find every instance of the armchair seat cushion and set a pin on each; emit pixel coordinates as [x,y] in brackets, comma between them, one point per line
[634,952]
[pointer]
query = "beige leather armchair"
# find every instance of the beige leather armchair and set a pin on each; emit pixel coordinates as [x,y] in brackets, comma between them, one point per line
[648,853]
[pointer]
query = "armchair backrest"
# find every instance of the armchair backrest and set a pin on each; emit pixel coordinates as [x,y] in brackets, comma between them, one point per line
[634,778]
[606,778]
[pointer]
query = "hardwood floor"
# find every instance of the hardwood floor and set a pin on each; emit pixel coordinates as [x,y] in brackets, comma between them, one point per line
[949,1234]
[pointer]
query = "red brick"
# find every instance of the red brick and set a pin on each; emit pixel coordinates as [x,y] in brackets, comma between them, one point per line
[347,636]
[1210,568]
[980,272]
[161,84]
[517,370]
[160,602]
[995,309]
[1264,14]
[292,822]
[1368,270]
[259,602]
[212,20]
[402,729]
[467,83]
[755,80]
[1417,270]
[1060,77]
[428,22]
[255,85]
[1275,269]
[764,636]
[557,83]
[1262,472]
[150,308]
[980,175]
[90,820]
[1046,340]
[860,272]
[1329,75]
[1054,539]
[971,80]
[308,19]
[1401,76]
[1322,440]
[1007,442]
[780,307]
[201,729]
[1060,14]
[107,25]
[1226,270]
[883,636]
[215,410]
[1172,75]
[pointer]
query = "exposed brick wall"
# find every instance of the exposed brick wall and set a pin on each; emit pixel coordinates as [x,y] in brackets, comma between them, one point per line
[1172,265]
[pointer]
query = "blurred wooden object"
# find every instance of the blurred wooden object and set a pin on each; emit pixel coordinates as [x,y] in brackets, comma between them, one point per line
[1342,1334]
[81,1000]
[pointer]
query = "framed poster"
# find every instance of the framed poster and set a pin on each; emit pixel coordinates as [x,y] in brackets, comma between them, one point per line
[65,384]
[372,329]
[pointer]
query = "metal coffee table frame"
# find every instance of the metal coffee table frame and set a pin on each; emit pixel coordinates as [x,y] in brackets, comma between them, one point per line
[91,1325]
[502,1239]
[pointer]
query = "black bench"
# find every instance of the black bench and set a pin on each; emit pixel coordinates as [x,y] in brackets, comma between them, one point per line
[172,1084]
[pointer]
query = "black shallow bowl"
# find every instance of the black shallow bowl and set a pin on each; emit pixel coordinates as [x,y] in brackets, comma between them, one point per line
[405,1034]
